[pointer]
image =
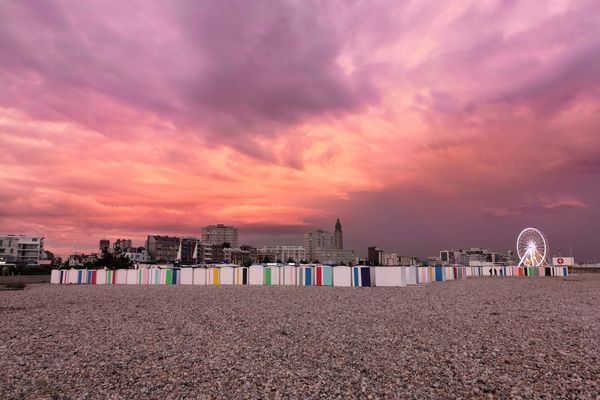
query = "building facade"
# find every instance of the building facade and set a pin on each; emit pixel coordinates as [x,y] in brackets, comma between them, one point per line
[282,254]
[473,256]
[316,241]
[244,255]
[389,259]
[136,254]
[374,255]
[328,247]
[162,248]
[220,234]
[334,256]
[22,249]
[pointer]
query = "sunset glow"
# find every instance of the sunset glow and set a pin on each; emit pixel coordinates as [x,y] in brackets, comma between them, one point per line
[420,126]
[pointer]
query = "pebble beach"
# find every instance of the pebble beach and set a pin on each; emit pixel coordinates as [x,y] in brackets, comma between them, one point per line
[475,338]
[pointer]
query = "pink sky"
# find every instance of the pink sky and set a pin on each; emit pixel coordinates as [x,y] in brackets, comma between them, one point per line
[422,126]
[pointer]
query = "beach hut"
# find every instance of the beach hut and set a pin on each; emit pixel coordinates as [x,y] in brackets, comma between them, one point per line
[121,276]
[55,276]
[154,276]
[241,276]
[342,276]
[162,276]
[63,276]
[423,275]
[200,276]
[187,276]
[74,276]
[144,276]
[305,275]
[271,274]
[255,275]
[390,276]
[288,275]
[167,277]
[323,275]
[411,275]
[91,277]
[212,275]
[100,277]
[438,273]
[132,276]
[226,274]
[363,276]
[175,276]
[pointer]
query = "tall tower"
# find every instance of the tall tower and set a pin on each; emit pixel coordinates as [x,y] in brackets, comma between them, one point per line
[339,239]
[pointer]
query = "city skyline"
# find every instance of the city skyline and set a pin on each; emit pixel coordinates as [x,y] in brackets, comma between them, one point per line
[128,119]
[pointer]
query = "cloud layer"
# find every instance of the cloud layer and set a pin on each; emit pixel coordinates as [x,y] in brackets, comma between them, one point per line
[420,125]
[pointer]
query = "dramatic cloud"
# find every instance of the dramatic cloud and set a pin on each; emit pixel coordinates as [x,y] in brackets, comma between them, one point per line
[420,125]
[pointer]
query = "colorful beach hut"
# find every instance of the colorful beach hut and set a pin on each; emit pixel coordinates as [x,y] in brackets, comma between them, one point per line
[363,276]
[271,274]
[323,275]
[305,275]
[241,276]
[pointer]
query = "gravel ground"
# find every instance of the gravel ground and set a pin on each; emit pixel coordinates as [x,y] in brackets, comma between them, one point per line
[485,337]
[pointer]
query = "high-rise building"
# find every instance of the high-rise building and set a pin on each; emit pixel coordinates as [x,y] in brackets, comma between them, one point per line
[327,247]
[339,239]
[317,240]
[220,234]
[104,245]
[22,249]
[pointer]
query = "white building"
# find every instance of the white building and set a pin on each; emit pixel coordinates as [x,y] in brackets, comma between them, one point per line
[282,253]
[22,249]
[219,234]
[136,254]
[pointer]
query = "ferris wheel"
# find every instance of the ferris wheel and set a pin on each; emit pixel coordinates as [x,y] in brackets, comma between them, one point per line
[532,247]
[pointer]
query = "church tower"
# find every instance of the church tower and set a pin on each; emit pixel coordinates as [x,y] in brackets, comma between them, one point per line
[339,239]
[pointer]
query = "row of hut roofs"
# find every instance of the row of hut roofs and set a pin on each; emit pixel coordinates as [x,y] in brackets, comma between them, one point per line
[303,275]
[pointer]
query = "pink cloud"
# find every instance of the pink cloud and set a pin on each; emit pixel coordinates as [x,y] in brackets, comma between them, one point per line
[421,125]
